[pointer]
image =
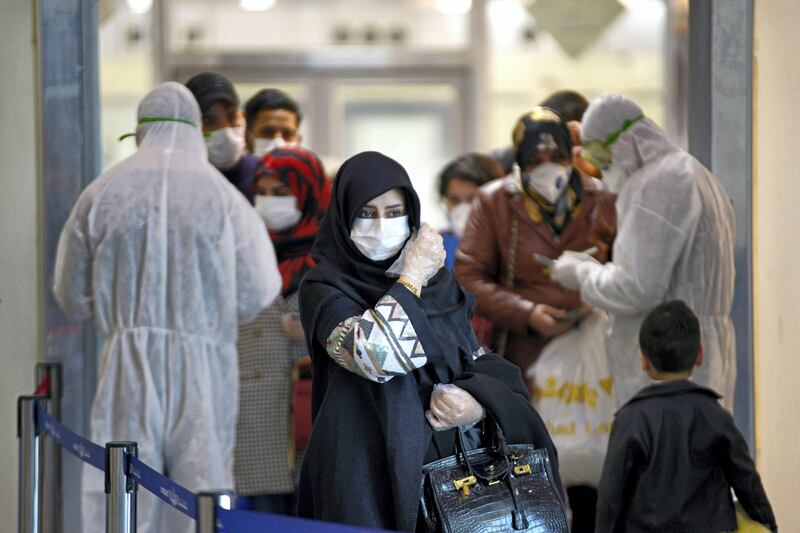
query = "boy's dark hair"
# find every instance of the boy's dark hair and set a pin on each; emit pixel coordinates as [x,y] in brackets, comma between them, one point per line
[670,337]
[472,167]
[268,99]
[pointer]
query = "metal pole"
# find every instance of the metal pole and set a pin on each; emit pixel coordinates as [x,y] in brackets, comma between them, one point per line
[30,464]
[120,488]
[207,503]
[51,480]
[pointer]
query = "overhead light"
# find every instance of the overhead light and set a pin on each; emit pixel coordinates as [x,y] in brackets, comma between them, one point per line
[454,7]
[257,5]
[139,6]
[505,13]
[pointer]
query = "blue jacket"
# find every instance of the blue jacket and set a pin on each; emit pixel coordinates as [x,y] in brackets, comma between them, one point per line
[243,175]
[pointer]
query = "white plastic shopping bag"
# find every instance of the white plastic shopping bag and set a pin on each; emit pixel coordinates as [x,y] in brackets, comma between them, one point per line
[573,394]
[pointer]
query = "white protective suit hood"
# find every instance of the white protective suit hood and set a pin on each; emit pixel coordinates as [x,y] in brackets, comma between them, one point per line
[642,143]
[182,127]
[167,257]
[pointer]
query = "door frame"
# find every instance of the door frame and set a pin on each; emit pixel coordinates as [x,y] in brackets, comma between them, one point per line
[721,137]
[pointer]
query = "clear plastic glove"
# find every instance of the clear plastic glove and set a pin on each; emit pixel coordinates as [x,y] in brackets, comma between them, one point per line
[452,407]
[565,270]
[421,258]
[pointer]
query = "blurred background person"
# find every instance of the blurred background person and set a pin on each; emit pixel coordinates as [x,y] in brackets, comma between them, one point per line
[224,127]
[167,284]
[273,118]
[459,182]
[542,207]
[675,241]
[292,195]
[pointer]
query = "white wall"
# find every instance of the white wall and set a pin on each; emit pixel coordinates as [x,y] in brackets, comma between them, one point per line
[776,124]
[18,235]
[627,57]
[293,25]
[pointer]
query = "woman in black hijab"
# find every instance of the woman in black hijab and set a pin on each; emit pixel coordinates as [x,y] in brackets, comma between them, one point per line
[379,345]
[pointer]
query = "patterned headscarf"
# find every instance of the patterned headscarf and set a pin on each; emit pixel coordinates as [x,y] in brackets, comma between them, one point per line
[543,131]
[301,171]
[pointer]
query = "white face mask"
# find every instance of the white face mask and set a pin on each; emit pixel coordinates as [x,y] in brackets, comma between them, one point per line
[550,180]
[380,238]
[278,212]
[225,147]
[459,216]
[262,147]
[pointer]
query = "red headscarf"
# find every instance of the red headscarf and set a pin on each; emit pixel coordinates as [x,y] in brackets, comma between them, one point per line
[301,171]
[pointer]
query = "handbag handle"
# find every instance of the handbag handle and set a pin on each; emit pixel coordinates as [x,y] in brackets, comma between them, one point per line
[519,522]
[500,446]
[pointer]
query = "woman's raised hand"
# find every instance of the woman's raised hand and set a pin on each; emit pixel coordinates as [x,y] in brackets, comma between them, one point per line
[423,256]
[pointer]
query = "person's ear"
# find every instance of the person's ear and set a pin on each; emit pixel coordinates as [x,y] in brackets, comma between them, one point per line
[644,361]
[299,138]
[700,357]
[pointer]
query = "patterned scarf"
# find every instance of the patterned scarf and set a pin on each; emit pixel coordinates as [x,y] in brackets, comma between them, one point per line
[301,171]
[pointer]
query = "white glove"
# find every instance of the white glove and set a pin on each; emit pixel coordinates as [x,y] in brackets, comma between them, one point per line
[451,407]
[565,269]
[422,257]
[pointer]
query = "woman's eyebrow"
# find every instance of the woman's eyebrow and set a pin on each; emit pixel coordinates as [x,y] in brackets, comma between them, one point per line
[395,206]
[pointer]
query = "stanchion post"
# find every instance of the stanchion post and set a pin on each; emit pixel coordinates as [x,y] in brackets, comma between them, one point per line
[30,464]
[121,488]
[51,481]
[207,504]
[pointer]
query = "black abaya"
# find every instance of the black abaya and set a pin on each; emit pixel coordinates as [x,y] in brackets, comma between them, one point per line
[363,463]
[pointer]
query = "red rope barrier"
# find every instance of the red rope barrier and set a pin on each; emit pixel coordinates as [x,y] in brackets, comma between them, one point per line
[43,388]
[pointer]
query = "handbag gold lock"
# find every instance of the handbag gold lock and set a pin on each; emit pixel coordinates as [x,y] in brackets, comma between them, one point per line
[464,484]
[521,470]
[492,481]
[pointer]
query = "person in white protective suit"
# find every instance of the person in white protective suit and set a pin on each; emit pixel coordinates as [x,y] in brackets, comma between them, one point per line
[675,241]
[167,257]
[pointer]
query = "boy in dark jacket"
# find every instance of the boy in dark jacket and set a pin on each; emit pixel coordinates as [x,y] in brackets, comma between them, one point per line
[674,452]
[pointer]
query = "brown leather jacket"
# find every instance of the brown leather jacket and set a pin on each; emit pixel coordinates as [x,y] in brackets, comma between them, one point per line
[482,260]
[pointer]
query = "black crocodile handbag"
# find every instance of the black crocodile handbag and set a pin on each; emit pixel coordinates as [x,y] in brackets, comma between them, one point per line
[489,490]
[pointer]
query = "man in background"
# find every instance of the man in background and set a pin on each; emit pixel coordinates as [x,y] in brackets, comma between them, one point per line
[224,127]
[273,118]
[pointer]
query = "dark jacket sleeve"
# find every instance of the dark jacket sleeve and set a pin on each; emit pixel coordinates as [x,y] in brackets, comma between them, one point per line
[740,471]
[478,268]
[618,481]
